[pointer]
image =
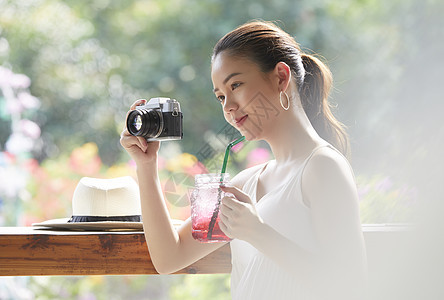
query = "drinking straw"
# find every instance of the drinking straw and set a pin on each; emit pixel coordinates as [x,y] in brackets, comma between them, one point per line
[219,194]
[227,151]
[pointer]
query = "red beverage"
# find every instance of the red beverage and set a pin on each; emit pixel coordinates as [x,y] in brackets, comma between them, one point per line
[200,231]
[205,202]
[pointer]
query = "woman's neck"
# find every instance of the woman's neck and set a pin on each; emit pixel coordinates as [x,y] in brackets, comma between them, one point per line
[293,137]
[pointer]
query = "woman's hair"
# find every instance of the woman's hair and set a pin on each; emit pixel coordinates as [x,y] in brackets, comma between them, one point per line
[266,44]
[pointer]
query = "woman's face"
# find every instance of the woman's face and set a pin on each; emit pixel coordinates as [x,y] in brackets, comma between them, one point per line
[247,95]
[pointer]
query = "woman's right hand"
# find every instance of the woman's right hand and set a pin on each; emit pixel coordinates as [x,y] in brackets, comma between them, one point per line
[138,148]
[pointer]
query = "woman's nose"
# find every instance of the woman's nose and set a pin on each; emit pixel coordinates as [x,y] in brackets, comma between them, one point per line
[230,104]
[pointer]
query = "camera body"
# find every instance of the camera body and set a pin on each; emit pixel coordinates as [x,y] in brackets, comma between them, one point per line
[159,119]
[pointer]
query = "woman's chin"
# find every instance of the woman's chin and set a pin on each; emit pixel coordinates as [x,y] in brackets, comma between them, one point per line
[250,136]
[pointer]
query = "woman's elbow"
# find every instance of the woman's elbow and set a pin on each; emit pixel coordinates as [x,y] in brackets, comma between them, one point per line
[165,268]
[163,272]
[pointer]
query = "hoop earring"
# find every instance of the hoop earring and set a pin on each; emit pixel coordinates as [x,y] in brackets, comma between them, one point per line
[288,100]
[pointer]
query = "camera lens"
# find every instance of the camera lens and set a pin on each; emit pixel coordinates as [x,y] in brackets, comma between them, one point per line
[144,123]
[137,123]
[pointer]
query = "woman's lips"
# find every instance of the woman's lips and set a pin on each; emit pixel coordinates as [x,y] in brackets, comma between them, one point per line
[241,120]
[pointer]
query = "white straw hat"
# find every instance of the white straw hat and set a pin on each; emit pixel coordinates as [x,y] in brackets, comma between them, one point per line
[102,204]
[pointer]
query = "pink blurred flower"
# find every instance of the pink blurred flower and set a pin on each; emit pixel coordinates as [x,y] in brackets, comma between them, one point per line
[197,168]
[384,185]
[30,129]
[9,79]
[28,101]
[363,191]
[19,143]
[236,148]
[31,165]
[5,75]
[14,107]
[85,160]
[132,164]
[20,81]
[257,156]
[28,220]
[161,163]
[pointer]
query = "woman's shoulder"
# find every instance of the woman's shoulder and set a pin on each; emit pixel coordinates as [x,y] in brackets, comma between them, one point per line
[328,159]
[241,178]
[328,168]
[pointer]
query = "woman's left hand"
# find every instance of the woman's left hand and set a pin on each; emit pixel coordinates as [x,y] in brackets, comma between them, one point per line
[238,216]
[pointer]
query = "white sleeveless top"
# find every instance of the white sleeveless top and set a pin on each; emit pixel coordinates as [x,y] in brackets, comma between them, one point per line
[255,276]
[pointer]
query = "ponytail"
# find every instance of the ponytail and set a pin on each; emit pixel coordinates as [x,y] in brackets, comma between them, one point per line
[314,93]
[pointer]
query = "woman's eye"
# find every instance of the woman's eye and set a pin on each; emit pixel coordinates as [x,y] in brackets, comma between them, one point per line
[235,85]
[220,98]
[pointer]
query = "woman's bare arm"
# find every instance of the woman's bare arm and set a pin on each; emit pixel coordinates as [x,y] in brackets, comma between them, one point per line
[170,249]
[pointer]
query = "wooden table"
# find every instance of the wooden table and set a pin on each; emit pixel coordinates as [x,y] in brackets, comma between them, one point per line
[25,251]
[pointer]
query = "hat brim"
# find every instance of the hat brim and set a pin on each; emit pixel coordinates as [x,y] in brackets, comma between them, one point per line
[62,224]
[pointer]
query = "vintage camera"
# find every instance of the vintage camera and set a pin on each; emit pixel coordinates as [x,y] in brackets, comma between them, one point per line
[159,119]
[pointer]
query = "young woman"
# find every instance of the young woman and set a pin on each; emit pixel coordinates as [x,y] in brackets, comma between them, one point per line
[294,220]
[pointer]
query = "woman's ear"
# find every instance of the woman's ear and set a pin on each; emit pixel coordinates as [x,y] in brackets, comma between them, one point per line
[283,72]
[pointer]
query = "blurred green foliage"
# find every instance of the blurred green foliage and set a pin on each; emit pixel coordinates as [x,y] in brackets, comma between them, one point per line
[384,201]
[215,287]
[89,60]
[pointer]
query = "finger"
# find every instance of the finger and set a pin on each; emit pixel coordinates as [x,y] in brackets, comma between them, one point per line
[125,132]
[143,143]
[240,195]
[223,217]
[224,227]
[133,107]
[137,103]
[128,141]
[231,203]
[225,210]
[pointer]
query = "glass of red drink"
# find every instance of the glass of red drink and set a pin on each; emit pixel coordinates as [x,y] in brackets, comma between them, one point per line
[205,204]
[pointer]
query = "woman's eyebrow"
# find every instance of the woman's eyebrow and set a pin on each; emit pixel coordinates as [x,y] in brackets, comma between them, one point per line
[228,78]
